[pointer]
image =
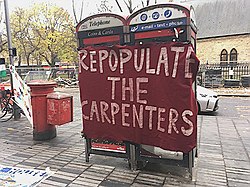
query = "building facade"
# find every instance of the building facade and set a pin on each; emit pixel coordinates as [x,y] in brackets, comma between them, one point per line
[224,49]
[223,31]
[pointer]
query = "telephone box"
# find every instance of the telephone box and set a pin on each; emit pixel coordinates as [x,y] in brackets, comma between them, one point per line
[163,23]
[95,31]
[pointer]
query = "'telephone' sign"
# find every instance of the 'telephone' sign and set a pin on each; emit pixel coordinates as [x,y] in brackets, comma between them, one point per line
[100,23]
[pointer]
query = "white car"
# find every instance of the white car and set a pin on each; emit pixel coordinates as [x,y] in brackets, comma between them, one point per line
[207,100]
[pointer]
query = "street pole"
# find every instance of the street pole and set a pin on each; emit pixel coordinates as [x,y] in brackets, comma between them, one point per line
[8,32]
[17,114]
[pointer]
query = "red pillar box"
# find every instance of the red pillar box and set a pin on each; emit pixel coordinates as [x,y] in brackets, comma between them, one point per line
[59,108]
[39,91]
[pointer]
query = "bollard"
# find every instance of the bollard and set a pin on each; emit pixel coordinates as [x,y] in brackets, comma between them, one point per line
[39,91]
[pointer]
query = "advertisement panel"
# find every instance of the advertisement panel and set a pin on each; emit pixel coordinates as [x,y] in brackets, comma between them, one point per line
[141,93]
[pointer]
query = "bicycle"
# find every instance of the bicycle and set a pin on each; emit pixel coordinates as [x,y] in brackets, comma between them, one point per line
[6,105]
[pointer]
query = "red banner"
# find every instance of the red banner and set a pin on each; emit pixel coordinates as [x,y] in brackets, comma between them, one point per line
[141,94]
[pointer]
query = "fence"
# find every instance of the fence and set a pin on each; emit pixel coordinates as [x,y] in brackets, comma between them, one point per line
[64,76]
[209,75]
[68,72]
[214,75]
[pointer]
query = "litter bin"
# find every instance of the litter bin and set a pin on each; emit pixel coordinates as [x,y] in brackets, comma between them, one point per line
[229,83]
[39,91]
[245,80]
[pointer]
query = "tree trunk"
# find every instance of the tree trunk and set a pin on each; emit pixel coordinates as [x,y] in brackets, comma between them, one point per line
[19,60]
[28,61]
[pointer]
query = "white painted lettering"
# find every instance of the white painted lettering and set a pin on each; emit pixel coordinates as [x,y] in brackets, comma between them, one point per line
[103,54]
[129,88]
[188,74]
[125,59]
[151,109]
[139,91]
[81,60]
[187,132]
[94,110]
[148,69]
[113,55]
[173,117]
[85,102]
[125,114]
[139,67]
[92,61]
[114,110]
[177,50]
[160,119]
[138,118]
[163,59]
[113,79]
[104,107]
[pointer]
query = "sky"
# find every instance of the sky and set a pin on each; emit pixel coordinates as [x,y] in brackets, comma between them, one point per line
[90,6]
[66,4]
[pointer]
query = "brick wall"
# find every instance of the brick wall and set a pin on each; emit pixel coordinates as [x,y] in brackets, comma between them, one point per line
[210,49]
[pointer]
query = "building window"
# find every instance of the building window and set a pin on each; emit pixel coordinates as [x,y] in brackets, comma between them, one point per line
[224,57]
[233,56]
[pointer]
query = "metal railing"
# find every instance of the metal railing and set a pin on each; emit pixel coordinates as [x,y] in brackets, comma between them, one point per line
[54,72]
[209,75]
[214,74]
[239,69]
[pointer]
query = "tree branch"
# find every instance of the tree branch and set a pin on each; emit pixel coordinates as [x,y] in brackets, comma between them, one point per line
[119,6]
[74,10]
[81,13]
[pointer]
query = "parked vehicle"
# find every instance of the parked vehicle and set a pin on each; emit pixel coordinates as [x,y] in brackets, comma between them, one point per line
[207,100]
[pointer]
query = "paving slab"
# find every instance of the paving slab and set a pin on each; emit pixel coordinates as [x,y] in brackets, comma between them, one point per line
[223,156]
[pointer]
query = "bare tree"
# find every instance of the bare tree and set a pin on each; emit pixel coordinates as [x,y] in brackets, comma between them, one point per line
[74,11]
[104,7]
[129,5]
[119,6]
[147,3]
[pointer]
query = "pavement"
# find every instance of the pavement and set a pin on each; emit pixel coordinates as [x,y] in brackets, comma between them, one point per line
[233,92]
[223,156]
